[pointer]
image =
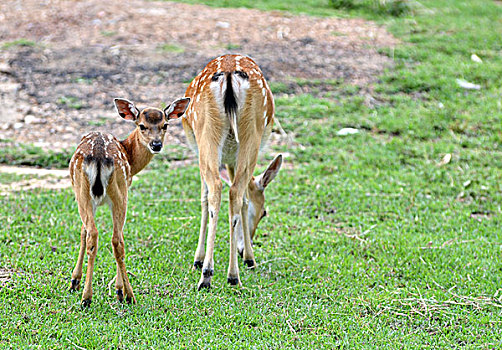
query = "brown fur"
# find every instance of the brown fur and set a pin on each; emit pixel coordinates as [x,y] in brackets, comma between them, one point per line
[205,126]
[122,160]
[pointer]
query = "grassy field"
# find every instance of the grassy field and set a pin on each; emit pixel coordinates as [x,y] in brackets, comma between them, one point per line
[371,241]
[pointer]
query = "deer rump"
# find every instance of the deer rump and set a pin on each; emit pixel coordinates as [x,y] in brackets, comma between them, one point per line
[229,89]
[98,170]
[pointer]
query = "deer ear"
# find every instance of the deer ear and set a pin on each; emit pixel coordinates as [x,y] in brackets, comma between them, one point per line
[177,108]
[271,172]
[126,109]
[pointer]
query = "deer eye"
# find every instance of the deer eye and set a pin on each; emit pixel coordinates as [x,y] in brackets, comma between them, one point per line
[142,127]
[164,127]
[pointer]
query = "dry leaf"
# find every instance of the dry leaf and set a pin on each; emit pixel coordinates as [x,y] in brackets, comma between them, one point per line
[466,85]
[445,160]
[476,58]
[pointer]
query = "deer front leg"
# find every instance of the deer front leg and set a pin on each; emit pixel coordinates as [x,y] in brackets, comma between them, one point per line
[247,250]
[235,219]
[122,284]
[237,227]
[199,253]
[76,276]
[238,210]
[214,201]
[240,234]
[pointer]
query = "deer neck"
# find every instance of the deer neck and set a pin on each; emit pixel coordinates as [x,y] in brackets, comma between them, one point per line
[138,154]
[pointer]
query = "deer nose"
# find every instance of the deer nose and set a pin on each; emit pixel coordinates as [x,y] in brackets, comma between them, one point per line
[156,145]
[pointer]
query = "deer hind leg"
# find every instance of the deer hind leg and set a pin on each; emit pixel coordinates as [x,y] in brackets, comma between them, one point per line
[210,173]
[76,276]
[200,253]
[237,217]
[87,211]
[119,209]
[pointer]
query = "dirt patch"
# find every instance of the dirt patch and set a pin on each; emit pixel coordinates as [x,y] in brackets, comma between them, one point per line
[39,178]
[78,56]
[59,173]
[53,179]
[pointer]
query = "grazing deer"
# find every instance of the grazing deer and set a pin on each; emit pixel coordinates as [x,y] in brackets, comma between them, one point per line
[101,171]
[230,117]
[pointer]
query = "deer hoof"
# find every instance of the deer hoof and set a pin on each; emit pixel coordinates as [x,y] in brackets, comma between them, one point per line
[207,272]
[131,300]
[86,302]
[75,285]
[233,281]
[198,264]
[241,252]
[250,263]
[120,295]
[204,283]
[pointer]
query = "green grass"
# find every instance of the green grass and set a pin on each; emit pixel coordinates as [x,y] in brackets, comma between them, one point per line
[20,154]
[171,48]
[18,42]
[7,178]
[370,242]
[70,102]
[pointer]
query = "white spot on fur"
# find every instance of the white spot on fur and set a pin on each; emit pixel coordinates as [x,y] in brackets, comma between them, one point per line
[195,115]
[124,171]
[237,64]
[265,101]
[260,83]
[74,169]
[197,99]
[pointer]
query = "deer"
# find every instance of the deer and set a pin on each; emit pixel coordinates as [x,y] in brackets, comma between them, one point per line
[228,121]
[101,171]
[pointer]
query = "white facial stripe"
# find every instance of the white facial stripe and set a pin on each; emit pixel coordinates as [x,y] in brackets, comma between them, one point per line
[251,214]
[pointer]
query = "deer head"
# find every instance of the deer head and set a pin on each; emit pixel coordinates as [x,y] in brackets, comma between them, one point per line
[256,191]
[151,123]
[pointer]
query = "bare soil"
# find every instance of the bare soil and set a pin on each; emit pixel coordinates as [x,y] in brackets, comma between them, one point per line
[78,55]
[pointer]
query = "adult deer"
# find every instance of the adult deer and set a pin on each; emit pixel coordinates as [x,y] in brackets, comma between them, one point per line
[229,118]
[101,171]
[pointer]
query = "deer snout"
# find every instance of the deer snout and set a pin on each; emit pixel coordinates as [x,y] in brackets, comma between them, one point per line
[156,146]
